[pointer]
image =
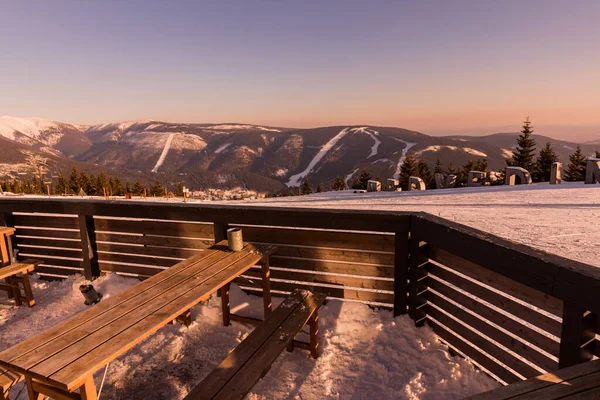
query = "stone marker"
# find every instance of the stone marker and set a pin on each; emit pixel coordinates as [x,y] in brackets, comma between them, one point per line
[373,186]
[392,184]
[440,182]
[592,170]
[513,172]
[556,173]
[415,183]
[451,181]
[476,178]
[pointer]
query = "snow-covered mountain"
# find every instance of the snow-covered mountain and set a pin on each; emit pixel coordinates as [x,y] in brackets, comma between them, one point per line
[258,157]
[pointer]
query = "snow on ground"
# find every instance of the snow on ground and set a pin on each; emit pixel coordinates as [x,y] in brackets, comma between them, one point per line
[241,127]
[349,176]
[222,148]
[164,153]
[405,150]
[296,179]
[560,219]
[453,148]
[365,353]
[373,134]
[32,127]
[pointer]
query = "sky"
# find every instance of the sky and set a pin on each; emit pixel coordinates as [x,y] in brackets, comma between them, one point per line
[435,66]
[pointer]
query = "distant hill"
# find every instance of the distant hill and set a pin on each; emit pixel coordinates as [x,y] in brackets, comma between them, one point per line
[256,157]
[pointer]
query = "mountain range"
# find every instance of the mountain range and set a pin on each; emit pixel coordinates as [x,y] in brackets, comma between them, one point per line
[232,154]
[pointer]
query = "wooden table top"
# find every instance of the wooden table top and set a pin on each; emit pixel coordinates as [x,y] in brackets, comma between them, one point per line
[67,353]
[579,382]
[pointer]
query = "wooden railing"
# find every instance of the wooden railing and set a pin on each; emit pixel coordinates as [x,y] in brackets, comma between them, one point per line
[514,311]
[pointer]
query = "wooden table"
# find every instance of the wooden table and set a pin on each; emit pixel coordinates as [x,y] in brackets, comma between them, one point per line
[64,358]
[580,382]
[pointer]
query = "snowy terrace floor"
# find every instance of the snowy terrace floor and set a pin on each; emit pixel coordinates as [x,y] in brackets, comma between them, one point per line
[365,353]
[560,219]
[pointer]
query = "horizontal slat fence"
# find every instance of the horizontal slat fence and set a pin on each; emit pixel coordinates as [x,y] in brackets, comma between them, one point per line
[513,311]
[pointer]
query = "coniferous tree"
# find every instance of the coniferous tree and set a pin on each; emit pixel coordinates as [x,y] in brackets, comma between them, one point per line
[306,188]
[157,189]
[101,184]
[576,169]
[544,163]
[339,184]
[74,181]
[597,153]
[424,173]
[364,179]
[439,168]
[355,183]
[525,151]
[407,169]
[84,183]
[138,189]
[319,188]
[62,186]
[451,169]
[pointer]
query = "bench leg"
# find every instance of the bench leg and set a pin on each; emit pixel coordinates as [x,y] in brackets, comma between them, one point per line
[225,305]
[88,390]
[16,292]
[33,394]
[9,290]
[28,292]
[313,323]
[185,318]
[266,287]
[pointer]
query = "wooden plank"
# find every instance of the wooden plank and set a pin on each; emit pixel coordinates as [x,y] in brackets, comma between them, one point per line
[417,276]
[146,250]
[319,238]
[112,341]
[562,391]
[58,270]
[55,221]
[101,308]
[69,253]
[533,317]
[401,266]
[525,293]
[215,380]
[163,228]
[563,376]
[337,267]
[60,262]
[144,271]
[8,379]
[523,331]
[336,255]
[50,242]
[152,240]
[485,328]
[87,232]
[4,230]
[473,353]
[137,259]
[48,233]
[484,344]
[15,268]
[308,277]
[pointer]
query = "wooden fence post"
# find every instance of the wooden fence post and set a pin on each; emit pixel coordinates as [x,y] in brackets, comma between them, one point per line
[401,250]
[577,339]
[220,231]
[87,231]
[417,276]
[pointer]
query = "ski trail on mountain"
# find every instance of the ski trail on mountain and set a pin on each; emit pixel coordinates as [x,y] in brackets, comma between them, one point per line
[164,153]
[349,176]
[372,133]
[296,179]
[409,145]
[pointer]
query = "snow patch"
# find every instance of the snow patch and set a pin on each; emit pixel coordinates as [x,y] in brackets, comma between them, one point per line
[281,172]
[453,148]
[350,175]
[164,153]
[373,134]
[241,127]
[222,148]
[296,179]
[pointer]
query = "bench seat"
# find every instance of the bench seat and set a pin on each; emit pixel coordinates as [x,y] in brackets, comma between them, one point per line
[7,380]
[251,360]
[16,279]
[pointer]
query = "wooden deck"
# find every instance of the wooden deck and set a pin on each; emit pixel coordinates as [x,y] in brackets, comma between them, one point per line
[66,356]
[581,382]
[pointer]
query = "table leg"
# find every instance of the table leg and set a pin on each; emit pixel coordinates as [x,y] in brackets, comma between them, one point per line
[266,287]
[16,291]
[225,305]
[9,290]
[88,390]
[185,318]
[33,394]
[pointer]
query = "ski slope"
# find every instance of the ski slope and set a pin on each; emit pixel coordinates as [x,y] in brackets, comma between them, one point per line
[409,145]
[372,133]
[296,179]
[164,153]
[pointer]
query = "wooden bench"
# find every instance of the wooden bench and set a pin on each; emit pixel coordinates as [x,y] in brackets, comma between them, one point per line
[7,380]
[63,359]
[580,382]
[251,360]
[16,282]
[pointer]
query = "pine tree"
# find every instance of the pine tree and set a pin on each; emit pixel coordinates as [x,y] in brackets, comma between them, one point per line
[355,183]
[597,153]
[525,151]
[138,189]
[439,168]
[306,188]
[544,163]
[339,184]
[62,186]
[74,181]
[576,169]
[84,183]
[424,173]
[451,169]
[157,189]
[101,184]
[364,179]
[319,188]
[407,169]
